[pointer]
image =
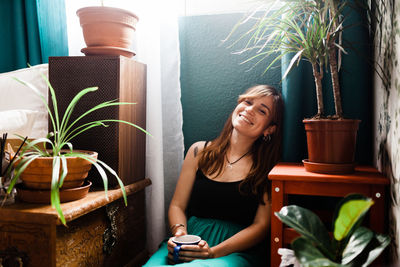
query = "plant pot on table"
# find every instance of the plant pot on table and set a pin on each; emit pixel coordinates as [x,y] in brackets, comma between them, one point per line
[37,177]
[331,145]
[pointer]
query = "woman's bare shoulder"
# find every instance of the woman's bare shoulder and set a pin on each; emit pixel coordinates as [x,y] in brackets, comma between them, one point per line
[197,147]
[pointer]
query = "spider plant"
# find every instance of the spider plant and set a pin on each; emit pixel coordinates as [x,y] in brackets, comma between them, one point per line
[302,29]
[57,144]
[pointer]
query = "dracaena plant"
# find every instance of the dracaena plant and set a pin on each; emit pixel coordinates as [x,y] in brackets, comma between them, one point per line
[351,245]
[302,29]
[57,144]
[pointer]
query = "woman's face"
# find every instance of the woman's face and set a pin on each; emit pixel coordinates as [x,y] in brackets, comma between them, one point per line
[252,116]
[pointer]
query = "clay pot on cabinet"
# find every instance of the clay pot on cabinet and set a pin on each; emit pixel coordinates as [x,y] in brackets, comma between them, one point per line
[331,145]
[107,30]
[38,174]
[36,179]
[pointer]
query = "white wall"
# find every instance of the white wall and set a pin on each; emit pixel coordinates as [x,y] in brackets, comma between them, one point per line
[387,115]
[207,7]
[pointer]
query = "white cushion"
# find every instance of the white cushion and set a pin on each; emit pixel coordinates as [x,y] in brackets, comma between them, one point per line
[16,96]
[17,121]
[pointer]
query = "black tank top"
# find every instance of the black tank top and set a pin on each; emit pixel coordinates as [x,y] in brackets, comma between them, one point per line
[221,200]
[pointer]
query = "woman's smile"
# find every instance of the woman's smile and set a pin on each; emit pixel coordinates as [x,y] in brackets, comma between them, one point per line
[244,118]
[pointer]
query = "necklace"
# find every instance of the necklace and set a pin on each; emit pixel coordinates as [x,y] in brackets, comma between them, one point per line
[231,163]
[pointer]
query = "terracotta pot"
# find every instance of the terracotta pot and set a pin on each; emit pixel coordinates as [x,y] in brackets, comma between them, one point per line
[331,141]
[39,172]
[107,26]
[43,196]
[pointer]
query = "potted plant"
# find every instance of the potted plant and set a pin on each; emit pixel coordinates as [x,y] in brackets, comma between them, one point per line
[351,245]
[309,30]
[107,30]
[60,165]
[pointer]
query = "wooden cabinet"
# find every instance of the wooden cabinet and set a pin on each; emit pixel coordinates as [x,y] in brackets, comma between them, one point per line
[99,232]
[292,179]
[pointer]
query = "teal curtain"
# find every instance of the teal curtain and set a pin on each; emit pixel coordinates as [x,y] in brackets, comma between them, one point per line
[298,91]
[31,30]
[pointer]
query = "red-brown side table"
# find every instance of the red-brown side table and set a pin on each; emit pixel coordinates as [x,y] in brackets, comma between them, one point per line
[293,179]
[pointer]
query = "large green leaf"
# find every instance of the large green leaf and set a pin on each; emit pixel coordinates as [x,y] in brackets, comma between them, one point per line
[350,213]
[55,189]
[64,170]
[380,243]
[310,256]
[306,223]
[357,243]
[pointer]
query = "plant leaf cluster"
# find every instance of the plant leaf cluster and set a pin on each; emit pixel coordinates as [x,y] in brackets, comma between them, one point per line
[299,26]
[57,144]
[308,30]
[351,245]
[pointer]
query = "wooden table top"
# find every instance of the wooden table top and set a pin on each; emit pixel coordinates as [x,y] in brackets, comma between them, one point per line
[285,171]
[45,214]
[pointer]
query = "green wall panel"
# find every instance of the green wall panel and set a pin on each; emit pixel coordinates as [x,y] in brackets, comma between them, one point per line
[211,76]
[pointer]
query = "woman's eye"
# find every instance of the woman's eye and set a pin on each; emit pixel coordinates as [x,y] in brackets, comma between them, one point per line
[263,111]
[248,102]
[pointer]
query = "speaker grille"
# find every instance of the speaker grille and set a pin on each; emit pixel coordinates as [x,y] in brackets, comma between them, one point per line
[70,75]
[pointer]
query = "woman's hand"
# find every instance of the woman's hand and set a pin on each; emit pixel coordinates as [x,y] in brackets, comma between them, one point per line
[191,252]
[179,231]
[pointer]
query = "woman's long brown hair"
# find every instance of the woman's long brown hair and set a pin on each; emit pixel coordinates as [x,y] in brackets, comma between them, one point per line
[265,154]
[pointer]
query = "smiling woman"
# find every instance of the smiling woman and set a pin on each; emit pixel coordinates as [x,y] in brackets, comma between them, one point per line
[234,227]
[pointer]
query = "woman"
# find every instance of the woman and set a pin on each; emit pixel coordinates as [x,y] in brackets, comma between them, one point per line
[222,191]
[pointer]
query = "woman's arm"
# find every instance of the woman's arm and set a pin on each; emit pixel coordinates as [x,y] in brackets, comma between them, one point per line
[242,240]
[249,236]
[179,202]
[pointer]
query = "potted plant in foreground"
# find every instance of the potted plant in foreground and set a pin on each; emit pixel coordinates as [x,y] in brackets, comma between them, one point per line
[309,30]
[351,245]
[61,166]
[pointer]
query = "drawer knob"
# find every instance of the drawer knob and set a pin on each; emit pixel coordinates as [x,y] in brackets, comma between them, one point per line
[277,189]
[378,195]
[276,239]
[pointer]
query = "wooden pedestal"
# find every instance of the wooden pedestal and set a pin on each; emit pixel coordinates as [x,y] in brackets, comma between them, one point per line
[99,232]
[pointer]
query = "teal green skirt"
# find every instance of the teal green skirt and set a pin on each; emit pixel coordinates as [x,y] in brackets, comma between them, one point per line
[214,232]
